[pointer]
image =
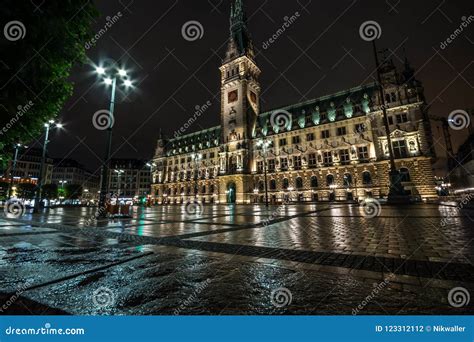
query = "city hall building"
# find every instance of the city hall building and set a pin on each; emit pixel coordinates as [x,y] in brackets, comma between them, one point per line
[332,148]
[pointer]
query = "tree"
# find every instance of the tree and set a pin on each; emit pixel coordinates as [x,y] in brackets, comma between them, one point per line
[39,47]
[72,191]
[25,190]
[50,191]
[4,190]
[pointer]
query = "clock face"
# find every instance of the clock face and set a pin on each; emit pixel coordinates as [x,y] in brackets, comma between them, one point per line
[253,97]
[233,96]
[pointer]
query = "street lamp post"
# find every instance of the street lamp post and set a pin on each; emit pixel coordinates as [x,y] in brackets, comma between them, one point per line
[197,157]
[119,173]
[62,182]
[12,172]
[396,192]
[109,81]
[152,167]
[265,143]
[43,160]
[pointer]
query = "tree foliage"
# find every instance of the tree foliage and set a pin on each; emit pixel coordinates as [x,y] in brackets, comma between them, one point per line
[35,69]
[4,190]
[50,191]
[25,190]
[72,191]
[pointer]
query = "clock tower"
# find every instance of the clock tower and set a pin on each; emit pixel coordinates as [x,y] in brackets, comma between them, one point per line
[240,92]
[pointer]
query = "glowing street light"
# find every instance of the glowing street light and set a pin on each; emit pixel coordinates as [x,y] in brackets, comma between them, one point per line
[100,70]
[110,76]
[12,171]
[265,144]
[50,124]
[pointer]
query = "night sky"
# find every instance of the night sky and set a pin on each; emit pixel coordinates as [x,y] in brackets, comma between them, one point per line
[321,53]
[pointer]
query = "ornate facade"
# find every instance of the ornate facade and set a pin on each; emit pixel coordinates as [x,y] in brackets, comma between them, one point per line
[330,148]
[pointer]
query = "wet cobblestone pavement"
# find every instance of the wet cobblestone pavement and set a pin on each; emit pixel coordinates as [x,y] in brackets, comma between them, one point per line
[296,259]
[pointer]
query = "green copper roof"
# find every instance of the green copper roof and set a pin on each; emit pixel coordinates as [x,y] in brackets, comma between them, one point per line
[329,108]
[240,42]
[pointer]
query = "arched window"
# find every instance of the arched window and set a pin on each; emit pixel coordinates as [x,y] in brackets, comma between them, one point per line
[211,189]
[261,186]
[286,184]
[329,180]
[273,184]
[203,189]
[387,98]
[404,175]
[314,182]
[347,180]
[366,178]
[299,183]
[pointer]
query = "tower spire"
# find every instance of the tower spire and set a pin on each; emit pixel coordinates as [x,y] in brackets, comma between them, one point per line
[240,42]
